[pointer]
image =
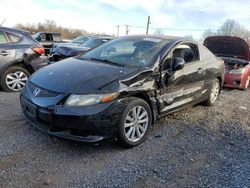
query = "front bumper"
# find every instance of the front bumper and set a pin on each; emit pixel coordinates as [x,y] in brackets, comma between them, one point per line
[73,125]
[234,81]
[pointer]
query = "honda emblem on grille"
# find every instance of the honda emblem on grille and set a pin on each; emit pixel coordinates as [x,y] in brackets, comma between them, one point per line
[36,92]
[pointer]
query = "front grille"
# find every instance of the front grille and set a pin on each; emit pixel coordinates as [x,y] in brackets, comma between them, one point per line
[41,93]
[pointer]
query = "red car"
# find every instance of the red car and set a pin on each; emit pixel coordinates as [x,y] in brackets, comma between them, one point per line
[236,55]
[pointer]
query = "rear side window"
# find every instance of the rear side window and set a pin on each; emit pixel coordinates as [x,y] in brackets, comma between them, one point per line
[3,39]
[205,53]
[14,38]
[56,37]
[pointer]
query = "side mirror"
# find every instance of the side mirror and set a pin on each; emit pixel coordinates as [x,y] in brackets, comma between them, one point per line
[178,64]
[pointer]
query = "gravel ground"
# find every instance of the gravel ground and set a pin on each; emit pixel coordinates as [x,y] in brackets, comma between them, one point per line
[196,147]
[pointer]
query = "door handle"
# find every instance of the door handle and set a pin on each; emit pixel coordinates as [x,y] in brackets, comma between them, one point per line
[4,53]
[200,70]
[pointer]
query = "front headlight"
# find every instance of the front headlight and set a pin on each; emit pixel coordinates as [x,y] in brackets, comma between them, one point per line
[237,71]
[87,100]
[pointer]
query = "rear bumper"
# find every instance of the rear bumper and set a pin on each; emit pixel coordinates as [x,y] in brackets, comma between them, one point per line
[39,62]
[84,128]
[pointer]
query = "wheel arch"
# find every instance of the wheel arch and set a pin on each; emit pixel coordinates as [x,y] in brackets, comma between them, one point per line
[19,63]
[150,102]
[221,82]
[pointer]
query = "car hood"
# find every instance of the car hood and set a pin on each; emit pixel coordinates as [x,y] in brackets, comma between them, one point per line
[69,51]
[227,46]
[79,76]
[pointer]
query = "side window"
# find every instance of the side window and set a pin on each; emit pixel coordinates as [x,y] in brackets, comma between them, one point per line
[56,37]
[42,37]
[188,52]
[3,39]
[49,37]
[13,38]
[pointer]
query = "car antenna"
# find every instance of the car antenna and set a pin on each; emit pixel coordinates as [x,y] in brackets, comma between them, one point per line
[3,22]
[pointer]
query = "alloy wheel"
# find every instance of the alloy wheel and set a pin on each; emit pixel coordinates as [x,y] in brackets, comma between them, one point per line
[136,123]
[214,92]
[16,81]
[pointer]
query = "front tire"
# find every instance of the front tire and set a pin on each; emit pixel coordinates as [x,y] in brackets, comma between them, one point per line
[214,93]
[135,123]
[14,79]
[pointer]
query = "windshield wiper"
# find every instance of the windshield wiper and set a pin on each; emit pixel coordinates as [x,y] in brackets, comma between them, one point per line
[107,61]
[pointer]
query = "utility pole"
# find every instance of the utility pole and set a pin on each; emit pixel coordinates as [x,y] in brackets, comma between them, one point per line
[118,30]
[127,29]
[148,25]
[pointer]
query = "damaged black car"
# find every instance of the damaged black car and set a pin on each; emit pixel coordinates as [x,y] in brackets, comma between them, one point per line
[119,89]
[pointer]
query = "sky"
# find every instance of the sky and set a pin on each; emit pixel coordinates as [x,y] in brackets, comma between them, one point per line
[174,17]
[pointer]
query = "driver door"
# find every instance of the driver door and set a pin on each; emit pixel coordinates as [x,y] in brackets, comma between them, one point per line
[178,88]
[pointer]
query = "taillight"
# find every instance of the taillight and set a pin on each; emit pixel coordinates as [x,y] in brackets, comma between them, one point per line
[39,50]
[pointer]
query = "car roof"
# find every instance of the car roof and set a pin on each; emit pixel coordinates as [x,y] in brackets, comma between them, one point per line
[48,32]
[166,37]
[15,30]
[101,37]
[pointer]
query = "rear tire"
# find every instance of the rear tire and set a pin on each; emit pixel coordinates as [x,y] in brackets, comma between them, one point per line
[14,79]
[135,123]
[214,93]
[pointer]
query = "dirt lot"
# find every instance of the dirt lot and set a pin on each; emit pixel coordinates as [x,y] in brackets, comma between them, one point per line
[196,147]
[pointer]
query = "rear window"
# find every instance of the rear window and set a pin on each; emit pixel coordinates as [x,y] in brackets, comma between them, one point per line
[3,39]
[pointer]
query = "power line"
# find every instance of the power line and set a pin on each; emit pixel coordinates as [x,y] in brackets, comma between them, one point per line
[174,29]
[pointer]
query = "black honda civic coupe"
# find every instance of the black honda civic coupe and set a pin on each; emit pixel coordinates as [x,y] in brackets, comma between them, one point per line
[119,89]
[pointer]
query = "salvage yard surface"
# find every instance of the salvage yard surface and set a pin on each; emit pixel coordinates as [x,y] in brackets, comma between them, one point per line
[199,146]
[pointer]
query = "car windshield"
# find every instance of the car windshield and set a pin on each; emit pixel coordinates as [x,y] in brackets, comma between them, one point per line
[126,51]
[92,43]
[80,39]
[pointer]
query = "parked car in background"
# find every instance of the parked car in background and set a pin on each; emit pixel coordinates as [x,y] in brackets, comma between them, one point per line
[80,39]
[47,39]
[75,42]
[17,50]
[119,89]
[236,55]
[65,51]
